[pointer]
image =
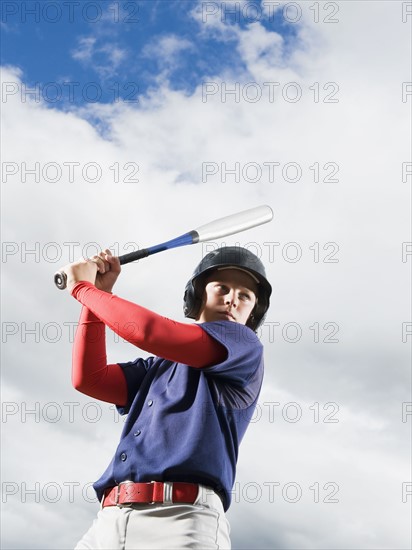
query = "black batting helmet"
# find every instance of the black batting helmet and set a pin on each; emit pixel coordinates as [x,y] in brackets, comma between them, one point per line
[237,258]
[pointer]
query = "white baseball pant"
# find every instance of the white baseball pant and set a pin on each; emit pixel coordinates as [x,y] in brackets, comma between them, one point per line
[202,525]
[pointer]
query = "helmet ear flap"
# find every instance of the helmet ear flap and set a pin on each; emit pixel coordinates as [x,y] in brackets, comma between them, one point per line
[254,318]
[192,300]
[251,322]
[189,300]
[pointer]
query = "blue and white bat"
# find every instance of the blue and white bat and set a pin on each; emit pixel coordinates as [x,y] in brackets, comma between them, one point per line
[213,230]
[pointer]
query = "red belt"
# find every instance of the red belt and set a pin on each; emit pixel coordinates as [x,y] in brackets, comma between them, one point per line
[128,492]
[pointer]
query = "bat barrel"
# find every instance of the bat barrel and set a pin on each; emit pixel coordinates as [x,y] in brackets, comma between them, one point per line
[235,223]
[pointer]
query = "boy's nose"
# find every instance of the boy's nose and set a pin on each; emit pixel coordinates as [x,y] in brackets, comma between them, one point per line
[230,298]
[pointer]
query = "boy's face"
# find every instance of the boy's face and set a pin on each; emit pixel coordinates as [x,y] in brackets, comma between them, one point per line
[230,294]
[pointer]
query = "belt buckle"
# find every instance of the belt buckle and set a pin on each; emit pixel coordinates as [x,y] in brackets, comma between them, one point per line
[118,495]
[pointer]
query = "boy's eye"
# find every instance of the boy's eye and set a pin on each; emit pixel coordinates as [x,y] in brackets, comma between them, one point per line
[222,288]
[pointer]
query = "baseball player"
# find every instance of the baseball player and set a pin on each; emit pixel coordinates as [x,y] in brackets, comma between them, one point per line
[188,404]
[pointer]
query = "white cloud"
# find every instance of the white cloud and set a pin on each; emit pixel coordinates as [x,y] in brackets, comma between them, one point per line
[211,20]
[105,59]
[366,294]
[167,47]
[168,52]
[85,49]
[257,44]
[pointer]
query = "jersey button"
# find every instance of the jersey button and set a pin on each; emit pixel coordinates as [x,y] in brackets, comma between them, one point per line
[137,433]
[123,456]
[149,403]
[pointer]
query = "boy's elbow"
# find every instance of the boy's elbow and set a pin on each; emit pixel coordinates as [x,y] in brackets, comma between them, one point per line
[78,384]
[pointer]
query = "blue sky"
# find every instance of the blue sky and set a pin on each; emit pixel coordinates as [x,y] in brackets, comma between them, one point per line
[114,51]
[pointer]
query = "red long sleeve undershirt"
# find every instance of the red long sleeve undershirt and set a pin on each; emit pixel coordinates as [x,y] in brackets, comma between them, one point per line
[179,342]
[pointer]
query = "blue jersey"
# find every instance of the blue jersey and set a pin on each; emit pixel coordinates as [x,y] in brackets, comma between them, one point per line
[185,423]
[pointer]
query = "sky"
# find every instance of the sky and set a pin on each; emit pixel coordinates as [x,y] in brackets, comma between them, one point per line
[124,124]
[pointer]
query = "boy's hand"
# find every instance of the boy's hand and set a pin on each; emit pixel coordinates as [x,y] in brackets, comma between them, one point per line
[101,270]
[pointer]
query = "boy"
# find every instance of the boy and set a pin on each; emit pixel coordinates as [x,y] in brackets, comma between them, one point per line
[189,404]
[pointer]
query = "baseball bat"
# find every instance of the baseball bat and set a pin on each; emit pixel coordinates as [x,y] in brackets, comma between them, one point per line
[217,229]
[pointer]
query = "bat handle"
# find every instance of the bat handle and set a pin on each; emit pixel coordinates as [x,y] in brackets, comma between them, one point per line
[133,256]
[60,280]
[60,277]
[192,237]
